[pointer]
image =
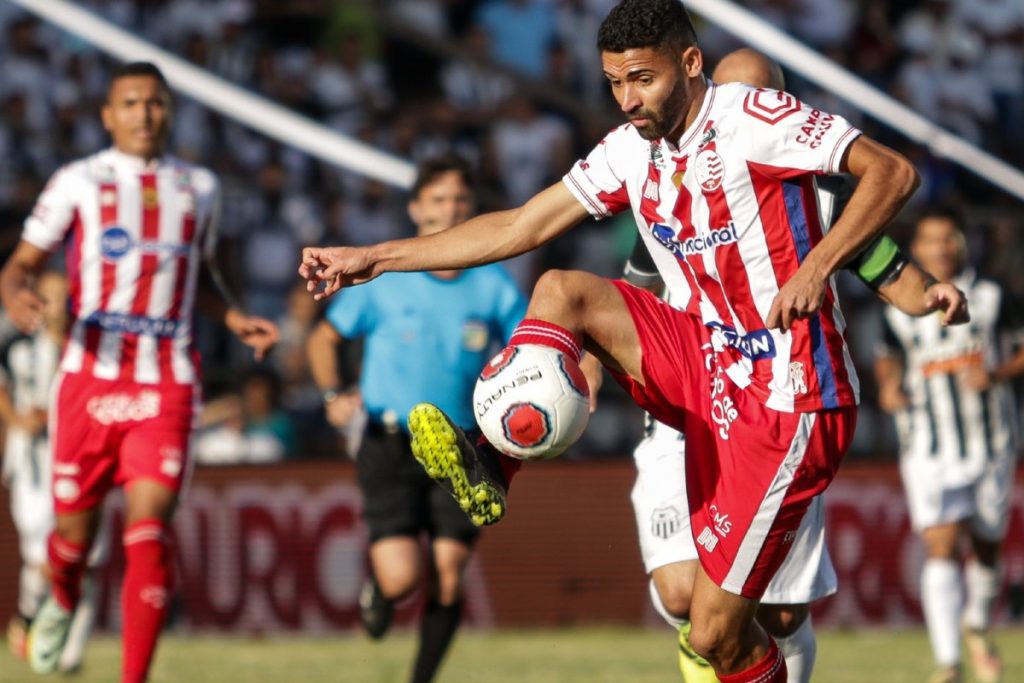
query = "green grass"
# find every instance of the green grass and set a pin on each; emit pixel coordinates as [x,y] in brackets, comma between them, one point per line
[566,656]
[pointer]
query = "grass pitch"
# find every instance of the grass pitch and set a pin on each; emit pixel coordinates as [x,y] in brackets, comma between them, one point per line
[562,656]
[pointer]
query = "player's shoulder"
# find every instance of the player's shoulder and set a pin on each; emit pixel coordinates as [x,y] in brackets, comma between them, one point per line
[754,107]
[202,179]
[623,136]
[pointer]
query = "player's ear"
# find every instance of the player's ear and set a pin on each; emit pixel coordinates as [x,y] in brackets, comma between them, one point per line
[415,211]
[107,116]
[693,61]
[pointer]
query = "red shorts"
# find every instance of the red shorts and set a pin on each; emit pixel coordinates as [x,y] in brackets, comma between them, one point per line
[750,471]
[109,433]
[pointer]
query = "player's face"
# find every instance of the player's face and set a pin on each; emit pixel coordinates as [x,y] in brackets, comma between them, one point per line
[939,247]
[652,87]
[137,115]
[442,204]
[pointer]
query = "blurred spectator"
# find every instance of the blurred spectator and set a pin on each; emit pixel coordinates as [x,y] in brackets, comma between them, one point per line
[269,433]
[521,33]
[347,87]
[473,89]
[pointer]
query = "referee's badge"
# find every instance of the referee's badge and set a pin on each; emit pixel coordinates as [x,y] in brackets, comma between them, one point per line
[475,336]
[665,522]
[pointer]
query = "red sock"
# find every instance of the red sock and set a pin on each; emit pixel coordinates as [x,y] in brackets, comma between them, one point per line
[533,331]
[67,562]
[145,595]
[771,669]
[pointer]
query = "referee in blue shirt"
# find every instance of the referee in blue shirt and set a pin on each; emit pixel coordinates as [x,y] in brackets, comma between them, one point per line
[426,336]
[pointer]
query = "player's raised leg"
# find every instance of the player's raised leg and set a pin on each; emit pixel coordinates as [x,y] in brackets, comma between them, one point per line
[569,311]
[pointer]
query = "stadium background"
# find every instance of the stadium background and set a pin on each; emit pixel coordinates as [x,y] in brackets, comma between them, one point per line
[270,533]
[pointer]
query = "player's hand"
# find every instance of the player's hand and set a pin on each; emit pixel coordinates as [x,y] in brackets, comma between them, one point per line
[25,310]
[257,333]
[977,378]
[945,297]
[800,297]
[32,421]
[594,373]
[892,399]
[328,269]
[342,408]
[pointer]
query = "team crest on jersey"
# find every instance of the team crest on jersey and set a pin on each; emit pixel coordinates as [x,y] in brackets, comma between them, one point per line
[108,198]
[796,377]
[710,170]
[474,335]
[115,242]
[770,106]
[149,198]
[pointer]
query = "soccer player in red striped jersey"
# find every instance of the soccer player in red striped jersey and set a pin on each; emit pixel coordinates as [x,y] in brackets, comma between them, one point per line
[139,229]
[754,371]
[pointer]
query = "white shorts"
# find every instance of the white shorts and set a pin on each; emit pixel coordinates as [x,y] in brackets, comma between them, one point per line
[985,503]
[663,525]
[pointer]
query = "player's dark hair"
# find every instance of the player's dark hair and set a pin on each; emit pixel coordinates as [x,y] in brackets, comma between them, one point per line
[431,169]
[634,24]
[940,212]
[138,69]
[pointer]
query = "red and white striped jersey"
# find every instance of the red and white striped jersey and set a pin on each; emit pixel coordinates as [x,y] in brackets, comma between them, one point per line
[728,215]
[135,234]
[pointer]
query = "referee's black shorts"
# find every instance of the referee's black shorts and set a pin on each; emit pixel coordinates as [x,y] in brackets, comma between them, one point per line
[399,499]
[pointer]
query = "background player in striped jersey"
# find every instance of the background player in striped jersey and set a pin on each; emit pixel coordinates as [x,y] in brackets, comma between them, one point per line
[949,388]
[430,352]
[755,370]
[140,229]
[29,365]
[659,495]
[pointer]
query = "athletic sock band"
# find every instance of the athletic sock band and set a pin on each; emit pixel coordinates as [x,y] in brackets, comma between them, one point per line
[543,333]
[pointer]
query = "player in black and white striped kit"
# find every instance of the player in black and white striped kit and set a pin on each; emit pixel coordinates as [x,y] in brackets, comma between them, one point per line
[948,387]
[28,365]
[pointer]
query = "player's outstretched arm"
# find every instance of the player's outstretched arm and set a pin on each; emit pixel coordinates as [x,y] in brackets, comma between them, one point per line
[484,239]
[23,306]
[216,302]
[887,179]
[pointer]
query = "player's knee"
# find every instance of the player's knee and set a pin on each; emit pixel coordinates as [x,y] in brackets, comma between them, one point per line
[397,581]
[782,621]
[565,289]
[448,587]
[675,599]
[713,640]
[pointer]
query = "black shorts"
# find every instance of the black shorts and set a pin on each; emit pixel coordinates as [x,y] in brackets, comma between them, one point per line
[399,499]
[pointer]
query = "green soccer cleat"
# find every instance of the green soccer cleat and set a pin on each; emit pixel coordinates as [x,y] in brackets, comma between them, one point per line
[471,474]
[47,635]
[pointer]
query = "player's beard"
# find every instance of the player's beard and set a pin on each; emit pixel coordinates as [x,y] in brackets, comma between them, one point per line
[663,121]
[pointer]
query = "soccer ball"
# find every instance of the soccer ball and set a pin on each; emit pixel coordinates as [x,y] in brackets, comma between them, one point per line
[532,402]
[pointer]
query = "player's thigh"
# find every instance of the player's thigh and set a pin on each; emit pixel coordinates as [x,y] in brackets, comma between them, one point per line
[592,304]
[992,495]
[930,501]
[782,621]
[942,541]
[807,574]
[396,562]
[450,557]
[84,443]
[395,489]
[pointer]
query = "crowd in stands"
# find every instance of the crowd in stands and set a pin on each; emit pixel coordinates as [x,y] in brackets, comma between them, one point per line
[513,85]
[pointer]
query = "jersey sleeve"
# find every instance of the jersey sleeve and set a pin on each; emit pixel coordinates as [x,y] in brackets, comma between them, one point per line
[640,269]
[599,181]
[53,213]
[351,312]
[788,138]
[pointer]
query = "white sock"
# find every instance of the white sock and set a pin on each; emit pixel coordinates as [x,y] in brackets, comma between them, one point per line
[32,590]
[982,590]
[800,649]
[659,607]
[941,601]
[81,626]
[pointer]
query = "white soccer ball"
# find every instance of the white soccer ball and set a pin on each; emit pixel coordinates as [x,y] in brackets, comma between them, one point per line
[532,402]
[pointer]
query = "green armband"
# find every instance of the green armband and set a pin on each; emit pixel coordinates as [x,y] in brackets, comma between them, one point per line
[879,263]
